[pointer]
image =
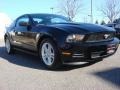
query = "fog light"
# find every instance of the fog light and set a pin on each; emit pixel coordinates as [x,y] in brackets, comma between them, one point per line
[110,51]
[66,53]
[111,48]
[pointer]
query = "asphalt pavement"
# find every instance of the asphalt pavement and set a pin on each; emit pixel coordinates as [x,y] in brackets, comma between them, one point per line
[22,71]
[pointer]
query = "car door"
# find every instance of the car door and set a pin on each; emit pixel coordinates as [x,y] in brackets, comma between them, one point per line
[23,35]
[21,31]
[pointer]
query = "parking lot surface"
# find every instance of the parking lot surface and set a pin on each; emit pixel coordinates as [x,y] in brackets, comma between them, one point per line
[25,72]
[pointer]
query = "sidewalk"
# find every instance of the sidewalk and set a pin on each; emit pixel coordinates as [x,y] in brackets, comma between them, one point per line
[1,41]
[1,38]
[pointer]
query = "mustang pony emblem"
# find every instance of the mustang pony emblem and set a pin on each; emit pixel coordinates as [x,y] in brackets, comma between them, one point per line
[106,36]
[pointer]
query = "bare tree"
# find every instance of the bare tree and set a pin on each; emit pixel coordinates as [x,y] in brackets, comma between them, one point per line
[70,8]
[111,9]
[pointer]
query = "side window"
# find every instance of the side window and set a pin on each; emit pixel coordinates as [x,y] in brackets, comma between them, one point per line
[57,20]
[22,19]
[38,20]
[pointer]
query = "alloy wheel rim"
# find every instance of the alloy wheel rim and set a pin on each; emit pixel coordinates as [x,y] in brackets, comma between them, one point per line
[47,52]
[7,45]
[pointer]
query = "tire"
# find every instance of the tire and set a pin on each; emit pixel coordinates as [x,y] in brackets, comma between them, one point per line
[49,54]
[8,46]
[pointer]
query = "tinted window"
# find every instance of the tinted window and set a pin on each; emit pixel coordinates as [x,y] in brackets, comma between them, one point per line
[58,20]
[22,19]
[48,19]
[37,20]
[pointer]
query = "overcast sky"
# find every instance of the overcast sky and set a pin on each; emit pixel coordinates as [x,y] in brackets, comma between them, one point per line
[15,8]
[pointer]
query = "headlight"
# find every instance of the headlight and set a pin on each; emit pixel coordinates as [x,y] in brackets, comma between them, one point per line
[75,38]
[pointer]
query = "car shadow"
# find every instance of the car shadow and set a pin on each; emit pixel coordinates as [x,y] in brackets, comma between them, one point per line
[31,61]
[111,75]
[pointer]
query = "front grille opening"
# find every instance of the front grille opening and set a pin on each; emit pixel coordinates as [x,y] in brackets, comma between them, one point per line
[97,50]
[100,37]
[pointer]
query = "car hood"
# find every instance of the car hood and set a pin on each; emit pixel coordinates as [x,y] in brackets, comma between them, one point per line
[83,28]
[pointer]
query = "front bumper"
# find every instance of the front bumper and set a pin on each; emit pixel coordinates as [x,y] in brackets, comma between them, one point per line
[89,51]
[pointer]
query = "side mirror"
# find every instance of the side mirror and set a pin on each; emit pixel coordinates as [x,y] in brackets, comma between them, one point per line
[24,23]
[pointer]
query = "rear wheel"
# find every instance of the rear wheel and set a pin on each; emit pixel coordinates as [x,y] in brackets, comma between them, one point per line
[8,46]
[49,54]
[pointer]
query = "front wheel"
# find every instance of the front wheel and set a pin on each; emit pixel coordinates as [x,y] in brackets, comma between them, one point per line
[49,54]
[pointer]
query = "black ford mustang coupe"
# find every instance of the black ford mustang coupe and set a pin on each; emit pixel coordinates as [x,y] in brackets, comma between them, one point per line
[57,40]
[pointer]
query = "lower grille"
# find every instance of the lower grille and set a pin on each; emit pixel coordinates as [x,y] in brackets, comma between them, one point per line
[95,51]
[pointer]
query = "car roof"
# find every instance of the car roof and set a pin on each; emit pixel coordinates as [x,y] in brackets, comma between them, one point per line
[42,14]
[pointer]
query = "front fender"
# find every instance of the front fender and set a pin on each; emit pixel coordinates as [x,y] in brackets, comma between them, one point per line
[57,36]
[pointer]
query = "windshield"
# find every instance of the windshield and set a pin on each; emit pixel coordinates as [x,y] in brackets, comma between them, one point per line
[49,19]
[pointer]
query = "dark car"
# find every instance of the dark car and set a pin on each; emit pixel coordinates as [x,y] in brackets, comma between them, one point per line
[112,25]
[57,40]
[116,26]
